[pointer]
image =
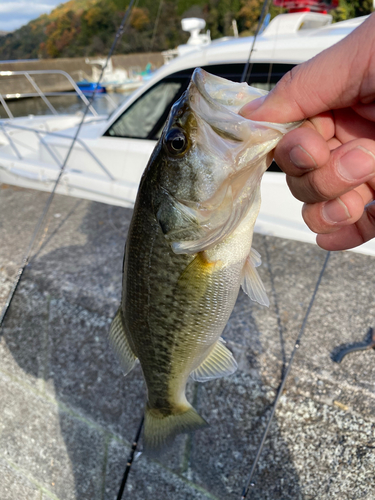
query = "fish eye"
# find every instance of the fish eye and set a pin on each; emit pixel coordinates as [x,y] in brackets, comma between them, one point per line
[176,141]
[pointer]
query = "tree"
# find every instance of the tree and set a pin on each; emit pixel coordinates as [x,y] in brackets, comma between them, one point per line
[348,9]
[88,27]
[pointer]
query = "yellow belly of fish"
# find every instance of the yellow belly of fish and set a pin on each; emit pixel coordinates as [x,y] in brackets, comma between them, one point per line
[210,283]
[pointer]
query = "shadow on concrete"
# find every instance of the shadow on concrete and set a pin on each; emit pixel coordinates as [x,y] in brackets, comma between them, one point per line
[56,333]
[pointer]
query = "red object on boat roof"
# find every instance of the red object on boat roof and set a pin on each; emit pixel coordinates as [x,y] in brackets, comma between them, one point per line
[307,5]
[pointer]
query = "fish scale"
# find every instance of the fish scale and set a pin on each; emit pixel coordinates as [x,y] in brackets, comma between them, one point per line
[189,249]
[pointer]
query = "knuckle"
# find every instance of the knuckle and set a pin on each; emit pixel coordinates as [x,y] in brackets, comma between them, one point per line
[317,189]
[288,79]
[294,186]
[292,85]
[311,222]
[306,189]
[281,157]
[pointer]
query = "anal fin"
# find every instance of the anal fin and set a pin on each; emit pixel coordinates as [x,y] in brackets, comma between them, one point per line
[251,283]
[219,363]
[120,343]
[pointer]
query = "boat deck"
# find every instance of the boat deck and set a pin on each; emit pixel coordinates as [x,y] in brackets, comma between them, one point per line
[68,416]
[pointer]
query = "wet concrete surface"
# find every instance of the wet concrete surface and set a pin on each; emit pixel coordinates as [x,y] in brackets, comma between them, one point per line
[68,416]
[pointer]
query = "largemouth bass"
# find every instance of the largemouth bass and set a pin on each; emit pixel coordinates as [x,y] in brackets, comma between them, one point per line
[189,249]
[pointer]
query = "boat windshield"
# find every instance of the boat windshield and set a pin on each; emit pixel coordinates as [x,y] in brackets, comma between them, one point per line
[142,116]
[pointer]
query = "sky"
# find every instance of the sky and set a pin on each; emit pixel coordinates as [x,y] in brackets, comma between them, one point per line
[16,13]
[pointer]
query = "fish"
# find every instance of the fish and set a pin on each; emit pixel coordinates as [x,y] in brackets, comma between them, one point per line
[189,249]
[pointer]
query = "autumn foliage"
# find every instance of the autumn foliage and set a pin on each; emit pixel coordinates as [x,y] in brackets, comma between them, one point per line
[88,27]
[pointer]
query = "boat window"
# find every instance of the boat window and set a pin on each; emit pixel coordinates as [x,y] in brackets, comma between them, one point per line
[263,86]
[141,118]
[145,118]
[262,75]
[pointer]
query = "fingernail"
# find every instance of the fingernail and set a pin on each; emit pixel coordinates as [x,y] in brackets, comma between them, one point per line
[335,211]
[301,158]
[356,164]
[251,106]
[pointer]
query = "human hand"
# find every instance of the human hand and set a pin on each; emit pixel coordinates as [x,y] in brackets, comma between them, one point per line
[330,160]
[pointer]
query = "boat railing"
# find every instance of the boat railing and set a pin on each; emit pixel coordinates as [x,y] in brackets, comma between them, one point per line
[40,135]
[43,94]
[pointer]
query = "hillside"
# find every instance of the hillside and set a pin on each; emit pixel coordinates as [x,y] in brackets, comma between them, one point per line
[87,27]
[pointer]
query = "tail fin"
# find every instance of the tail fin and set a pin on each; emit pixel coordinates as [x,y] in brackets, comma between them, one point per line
[160,431]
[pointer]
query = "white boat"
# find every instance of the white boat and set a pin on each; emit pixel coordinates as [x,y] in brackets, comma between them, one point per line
[112,151]
[113,79]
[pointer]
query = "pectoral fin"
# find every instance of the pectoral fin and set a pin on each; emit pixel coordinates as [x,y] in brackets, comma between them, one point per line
[120,343]
[219,363]
[252,284]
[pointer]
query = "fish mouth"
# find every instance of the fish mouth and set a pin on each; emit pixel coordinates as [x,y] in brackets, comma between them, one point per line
[220,93]
[217,101]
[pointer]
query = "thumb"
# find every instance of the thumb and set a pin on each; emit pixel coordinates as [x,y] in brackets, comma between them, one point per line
[338,77]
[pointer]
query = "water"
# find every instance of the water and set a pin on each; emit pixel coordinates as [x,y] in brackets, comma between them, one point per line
[69,103]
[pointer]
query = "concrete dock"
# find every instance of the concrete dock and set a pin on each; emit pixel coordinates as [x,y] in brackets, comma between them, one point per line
[68,416]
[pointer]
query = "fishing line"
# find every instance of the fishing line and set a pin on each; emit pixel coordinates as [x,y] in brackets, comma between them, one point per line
[245,77]
[273,52]
[130,460]
[282,385]
[248,68]
[156,25]
[41,220]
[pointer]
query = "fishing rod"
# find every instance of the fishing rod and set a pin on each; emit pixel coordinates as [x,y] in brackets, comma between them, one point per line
[283,381]
[130,460]
[247,69]
[42,218]
[156,25]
